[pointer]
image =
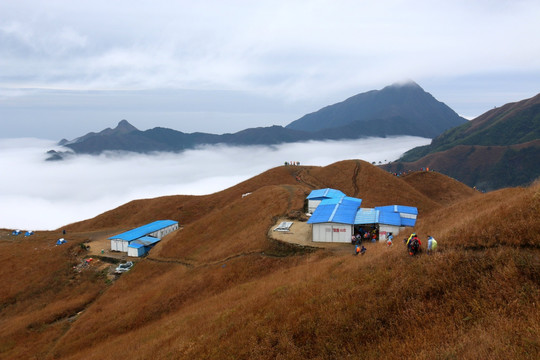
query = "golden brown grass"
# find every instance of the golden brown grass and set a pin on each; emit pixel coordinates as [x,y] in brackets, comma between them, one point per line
[39,292]
[219,289]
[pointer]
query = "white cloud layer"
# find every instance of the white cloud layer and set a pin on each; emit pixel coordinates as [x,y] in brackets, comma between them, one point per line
[40,195]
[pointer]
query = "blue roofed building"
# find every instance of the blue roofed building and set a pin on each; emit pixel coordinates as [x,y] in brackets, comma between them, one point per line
[316,196]
[337,217]
[138,241]
[407,214]
[333,219]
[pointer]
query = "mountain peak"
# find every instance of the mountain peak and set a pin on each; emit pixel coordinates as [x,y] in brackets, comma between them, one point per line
[401,108]
[124,127]
[406,84]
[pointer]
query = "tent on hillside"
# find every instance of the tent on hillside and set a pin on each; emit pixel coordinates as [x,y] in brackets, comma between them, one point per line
[29,233]
[16,232]
[61,241]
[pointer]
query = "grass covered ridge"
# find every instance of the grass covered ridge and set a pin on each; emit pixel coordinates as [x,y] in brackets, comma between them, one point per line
[218,290]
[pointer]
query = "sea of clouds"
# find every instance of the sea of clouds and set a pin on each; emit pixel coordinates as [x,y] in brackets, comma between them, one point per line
[45,195]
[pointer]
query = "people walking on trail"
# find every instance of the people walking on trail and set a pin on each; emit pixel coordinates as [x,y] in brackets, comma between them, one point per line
[408,241]
[413,244]
[389,239]
[359,250]
[431,245]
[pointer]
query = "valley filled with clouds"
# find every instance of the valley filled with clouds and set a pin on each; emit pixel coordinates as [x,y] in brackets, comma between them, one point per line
[42,195]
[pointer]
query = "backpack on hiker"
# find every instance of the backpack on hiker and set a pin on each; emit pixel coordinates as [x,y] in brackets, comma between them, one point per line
[415,246]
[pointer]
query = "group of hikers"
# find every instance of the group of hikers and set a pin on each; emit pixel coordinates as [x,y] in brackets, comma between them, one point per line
[413,243]
[363,235]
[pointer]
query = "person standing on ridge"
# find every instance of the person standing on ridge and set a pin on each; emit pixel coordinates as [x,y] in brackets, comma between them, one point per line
[389,239]
[431,245]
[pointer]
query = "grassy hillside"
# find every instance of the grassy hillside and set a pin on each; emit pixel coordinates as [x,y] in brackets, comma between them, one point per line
[511,124]
[500,148]
[219,288]
[485,167]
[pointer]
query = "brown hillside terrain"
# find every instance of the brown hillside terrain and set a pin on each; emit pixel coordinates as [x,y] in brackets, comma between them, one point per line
[41,293]
[482,304]
[354,177]
[439,188]
[467,162]
[220,288]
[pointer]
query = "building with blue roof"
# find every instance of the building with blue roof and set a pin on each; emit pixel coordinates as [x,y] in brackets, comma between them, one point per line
[316,196]
[333,219]
[407,214]
[138,241]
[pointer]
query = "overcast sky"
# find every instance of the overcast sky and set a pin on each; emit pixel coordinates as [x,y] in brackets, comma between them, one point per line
[70,67]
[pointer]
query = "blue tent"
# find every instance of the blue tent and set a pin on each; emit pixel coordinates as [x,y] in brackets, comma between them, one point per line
[61,241]
[15,232]
[28,233]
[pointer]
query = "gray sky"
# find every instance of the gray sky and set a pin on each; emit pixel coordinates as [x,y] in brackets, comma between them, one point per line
[70,67]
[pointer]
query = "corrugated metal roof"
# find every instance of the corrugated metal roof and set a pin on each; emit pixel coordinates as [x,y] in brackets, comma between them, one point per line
[342,211]
[135,245]
[408,222]
[366,216]
[327,193]
[389,218]
[407,214]
[399,209]
[146,240]
[144,230]
[321,214]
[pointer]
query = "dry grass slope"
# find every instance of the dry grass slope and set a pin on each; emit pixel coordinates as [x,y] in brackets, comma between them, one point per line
[220,289]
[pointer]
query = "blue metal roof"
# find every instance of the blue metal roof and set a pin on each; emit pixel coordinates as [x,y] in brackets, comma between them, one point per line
[344,200]
[144,230]
[377,216]
[399,209]
[327,193]
[389,218]
[147,240]
[135,244]
[366,216]
[407,214]
[341,211]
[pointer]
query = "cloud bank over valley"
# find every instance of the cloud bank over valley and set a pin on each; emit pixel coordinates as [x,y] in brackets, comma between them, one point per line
[40,195]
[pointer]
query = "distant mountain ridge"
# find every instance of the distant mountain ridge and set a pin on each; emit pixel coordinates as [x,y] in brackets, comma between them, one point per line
[405,108]
[500,148]
[401,109]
